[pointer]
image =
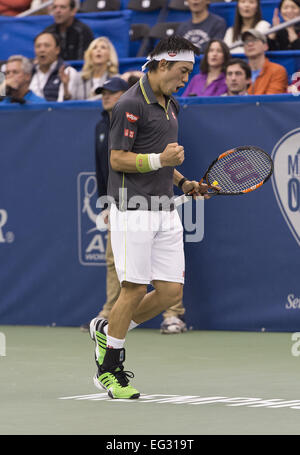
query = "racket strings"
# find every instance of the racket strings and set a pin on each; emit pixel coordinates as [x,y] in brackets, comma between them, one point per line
[240,170]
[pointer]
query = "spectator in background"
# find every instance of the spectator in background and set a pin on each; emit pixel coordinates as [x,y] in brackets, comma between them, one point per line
[203,26]
[286,38]
[13,7]
[248,15]
[51,79]
[100,64]
[238,77]
[18,72]
[211,80]
[268,78]
[74,36]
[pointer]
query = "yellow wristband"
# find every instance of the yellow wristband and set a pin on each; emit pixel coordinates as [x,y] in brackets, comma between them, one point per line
[142,163]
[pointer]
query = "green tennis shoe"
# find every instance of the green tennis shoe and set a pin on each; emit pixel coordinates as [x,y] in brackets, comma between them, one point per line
[117,384]
[99,337]
[112,377]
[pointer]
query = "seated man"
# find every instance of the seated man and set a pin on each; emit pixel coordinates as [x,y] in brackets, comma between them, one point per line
[203,26]
[237,77]
[13,7]
[268,78]
[51,80]
[74,35]
[18,71]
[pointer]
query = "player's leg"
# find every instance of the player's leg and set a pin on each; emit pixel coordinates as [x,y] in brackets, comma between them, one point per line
[111,375]
[132,254]
[122,312]
[166,294]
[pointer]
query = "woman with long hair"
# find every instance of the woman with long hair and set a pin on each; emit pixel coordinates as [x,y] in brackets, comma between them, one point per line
[248,15]
[287,38]
[100,64]
[211,79]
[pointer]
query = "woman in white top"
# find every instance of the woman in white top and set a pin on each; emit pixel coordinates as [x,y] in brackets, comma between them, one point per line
[100,63]
[247,15]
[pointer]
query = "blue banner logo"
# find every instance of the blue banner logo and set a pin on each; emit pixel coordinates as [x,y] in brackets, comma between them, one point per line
[286,179]
[91,241]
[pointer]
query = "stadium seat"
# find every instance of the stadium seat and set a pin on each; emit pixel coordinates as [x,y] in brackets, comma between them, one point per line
[139,31]
[163,30]
[146,5]
[180,5]
[138,35]
[93,6]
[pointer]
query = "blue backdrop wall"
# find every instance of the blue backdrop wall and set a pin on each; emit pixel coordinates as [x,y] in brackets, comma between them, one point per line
[243,275]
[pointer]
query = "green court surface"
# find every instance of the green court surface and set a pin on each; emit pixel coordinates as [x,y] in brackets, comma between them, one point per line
[196,383]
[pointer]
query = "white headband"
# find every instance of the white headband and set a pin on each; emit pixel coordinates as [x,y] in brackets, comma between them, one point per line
[181,56]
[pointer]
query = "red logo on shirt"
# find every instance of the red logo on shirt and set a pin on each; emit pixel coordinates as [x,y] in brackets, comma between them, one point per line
[131,117]
[128,133]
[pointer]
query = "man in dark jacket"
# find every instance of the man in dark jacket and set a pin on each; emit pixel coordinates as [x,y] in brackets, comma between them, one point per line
[74,35]
[111,92]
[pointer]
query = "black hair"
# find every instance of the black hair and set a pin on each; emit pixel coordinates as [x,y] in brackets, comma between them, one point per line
[72,4]
[173,43]
[204,68]
[238,20]
[297,2]
[55,36]
[133,80]
[243,64]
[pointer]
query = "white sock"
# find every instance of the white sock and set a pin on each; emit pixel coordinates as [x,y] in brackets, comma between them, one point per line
[132,325]
[114,343]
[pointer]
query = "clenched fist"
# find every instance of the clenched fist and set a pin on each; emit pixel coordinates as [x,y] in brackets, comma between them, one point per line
[173,155]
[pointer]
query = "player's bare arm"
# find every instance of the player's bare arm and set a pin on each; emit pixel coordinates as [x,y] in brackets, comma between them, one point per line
[189,186]
[125,161]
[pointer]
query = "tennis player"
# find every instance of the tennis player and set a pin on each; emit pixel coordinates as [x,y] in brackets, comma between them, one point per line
[146,231]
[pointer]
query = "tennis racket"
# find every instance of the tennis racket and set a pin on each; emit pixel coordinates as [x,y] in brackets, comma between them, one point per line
[237,171]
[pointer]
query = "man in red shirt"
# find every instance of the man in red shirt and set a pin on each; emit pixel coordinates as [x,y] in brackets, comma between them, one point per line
[13,7]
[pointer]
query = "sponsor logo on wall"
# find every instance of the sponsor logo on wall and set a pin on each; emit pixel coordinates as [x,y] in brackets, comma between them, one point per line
[91,240]
[6,236]
[286,179]
[292,302]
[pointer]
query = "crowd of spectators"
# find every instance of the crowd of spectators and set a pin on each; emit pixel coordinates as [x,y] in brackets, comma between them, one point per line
[69,39]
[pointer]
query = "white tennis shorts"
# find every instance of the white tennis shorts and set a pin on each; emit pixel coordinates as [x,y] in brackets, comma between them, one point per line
[147,245]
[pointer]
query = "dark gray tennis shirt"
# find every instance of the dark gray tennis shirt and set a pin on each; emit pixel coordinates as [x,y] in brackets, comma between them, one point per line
[139,124]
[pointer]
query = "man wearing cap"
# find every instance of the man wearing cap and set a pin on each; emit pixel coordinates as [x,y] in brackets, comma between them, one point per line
[146,231]
[268,78]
